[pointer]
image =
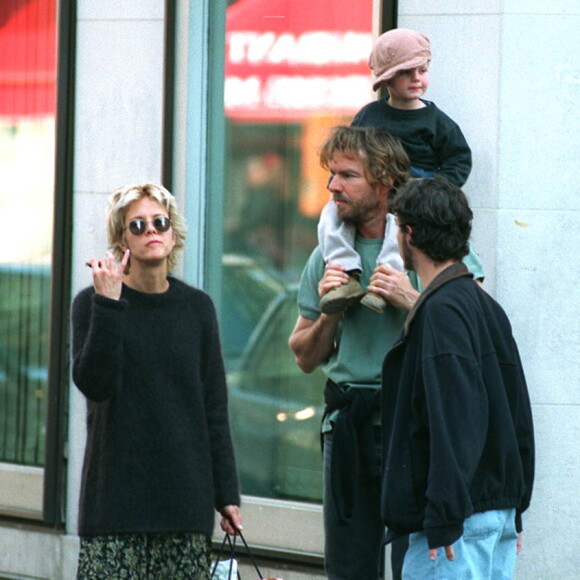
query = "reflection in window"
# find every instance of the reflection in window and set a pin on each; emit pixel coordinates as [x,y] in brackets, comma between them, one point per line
[292,70]
[27,138]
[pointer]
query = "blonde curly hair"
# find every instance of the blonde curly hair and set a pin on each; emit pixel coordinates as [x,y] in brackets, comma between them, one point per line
[119,201]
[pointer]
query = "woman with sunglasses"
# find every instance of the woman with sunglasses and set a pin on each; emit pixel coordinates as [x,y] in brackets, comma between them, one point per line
[147,357]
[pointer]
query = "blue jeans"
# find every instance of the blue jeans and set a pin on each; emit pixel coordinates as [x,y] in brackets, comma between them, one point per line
[485,551]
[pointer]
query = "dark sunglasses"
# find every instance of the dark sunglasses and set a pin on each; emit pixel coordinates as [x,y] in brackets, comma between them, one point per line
[139,227]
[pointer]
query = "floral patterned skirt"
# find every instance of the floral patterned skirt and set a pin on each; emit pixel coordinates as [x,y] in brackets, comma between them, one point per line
[179,556]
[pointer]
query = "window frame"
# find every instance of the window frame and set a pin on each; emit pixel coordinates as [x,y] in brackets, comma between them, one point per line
[195,33]
[59,360]
[38,493]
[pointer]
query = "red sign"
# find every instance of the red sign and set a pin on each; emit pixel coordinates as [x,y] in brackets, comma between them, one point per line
[290,59]
[27,58]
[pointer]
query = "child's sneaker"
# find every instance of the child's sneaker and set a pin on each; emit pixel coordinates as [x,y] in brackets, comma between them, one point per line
[342,296]
[374,302]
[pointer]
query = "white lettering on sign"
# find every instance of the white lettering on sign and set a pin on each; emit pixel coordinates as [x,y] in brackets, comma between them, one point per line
[242,93]
[316,47]
[297,93]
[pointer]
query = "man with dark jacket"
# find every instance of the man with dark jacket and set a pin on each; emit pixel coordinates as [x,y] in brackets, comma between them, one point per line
[458,440]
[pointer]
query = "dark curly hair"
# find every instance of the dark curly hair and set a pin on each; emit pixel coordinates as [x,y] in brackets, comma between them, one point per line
[439,216]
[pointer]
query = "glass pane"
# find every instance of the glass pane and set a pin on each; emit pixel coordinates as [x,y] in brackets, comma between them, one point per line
[27,137]
[293,69]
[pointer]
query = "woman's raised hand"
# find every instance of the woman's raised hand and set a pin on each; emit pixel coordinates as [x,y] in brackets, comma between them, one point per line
[108,275]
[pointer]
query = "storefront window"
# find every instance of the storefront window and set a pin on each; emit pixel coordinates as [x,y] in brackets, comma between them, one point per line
[292,70]
[27,158]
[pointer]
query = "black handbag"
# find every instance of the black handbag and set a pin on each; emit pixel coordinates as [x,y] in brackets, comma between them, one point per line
[230,562]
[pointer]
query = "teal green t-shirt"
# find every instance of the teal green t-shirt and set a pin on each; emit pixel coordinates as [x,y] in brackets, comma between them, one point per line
[474,264]
[363,336]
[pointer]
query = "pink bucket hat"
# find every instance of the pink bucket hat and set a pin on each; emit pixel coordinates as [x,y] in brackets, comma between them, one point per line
[396,50]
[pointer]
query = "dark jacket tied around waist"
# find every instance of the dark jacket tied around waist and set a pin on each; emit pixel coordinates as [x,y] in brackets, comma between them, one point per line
[353,442]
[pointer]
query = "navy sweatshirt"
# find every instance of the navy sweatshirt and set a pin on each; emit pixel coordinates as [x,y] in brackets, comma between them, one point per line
[432,140]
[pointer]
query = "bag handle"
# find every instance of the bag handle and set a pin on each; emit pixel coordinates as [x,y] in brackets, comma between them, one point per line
[227,538]
[220,554]
[249,554]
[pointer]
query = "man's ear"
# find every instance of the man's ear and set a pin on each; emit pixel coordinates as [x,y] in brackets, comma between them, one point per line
[386,189]
[387,180]
[407,230]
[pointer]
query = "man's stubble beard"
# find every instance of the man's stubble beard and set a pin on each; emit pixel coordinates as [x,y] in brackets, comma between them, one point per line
[358,212]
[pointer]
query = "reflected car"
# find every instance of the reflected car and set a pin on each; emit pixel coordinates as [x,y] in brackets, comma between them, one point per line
[276,410]
[247,290]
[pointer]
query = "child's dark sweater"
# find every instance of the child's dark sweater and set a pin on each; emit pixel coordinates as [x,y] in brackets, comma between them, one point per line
[159,456]
[432,140]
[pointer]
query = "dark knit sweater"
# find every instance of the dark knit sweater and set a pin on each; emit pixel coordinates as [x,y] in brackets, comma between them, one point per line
[159,455]
[432,140]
